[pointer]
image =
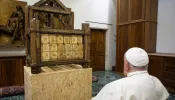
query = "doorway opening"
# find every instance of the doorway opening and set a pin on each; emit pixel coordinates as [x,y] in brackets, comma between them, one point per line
[97,49]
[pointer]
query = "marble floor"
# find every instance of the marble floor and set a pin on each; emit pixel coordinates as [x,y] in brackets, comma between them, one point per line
[104,77]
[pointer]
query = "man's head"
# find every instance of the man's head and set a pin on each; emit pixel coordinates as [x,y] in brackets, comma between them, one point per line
[135,59]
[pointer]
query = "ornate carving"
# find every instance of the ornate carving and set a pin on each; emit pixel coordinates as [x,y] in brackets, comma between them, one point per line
[67,47]
[51,38]
[53,14]
[66,22]
[14,29]
[57,21]
[77,32]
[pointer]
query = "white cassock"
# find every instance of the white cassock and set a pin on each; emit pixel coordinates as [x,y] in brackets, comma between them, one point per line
[137,86]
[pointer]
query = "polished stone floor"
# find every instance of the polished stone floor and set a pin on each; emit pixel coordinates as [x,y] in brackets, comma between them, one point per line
[104,77]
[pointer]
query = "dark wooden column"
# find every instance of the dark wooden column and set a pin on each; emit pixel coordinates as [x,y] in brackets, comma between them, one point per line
[136,27]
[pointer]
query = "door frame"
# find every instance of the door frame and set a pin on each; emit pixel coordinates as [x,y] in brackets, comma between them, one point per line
[104,29]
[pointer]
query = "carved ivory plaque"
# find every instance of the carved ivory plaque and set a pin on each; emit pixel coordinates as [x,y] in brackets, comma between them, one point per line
[61,47]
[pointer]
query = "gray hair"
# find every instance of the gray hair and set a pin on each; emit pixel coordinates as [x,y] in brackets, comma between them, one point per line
[135,67]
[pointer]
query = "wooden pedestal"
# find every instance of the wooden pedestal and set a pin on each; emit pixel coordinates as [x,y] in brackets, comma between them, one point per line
[58,83]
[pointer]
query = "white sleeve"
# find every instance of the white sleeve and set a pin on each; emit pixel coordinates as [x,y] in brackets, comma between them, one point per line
[104,94]
[111,91]
[164,93]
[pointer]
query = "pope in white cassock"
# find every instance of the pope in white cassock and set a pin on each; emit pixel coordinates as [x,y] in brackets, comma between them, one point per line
[138,85]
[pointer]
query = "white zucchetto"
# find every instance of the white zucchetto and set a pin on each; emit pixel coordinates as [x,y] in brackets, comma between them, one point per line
[137,57]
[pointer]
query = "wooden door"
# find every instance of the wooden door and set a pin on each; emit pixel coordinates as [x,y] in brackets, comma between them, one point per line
[97,50]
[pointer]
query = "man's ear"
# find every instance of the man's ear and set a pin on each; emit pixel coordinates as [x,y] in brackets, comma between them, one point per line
[127,67]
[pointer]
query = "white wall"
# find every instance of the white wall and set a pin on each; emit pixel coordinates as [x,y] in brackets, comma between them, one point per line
[103,11]
[166,26]
[112,32]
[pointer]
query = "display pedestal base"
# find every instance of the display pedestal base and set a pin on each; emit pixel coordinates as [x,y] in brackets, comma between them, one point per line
[58,83]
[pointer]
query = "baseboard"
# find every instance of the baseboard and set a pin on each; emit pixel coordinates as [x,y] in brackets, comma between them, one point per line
[113,68]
